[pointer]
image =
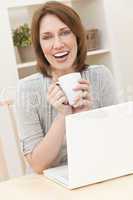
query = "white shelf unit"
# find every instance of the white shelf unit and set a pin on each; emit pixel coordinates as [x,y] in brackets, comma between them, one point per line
[27,64]
[21,3]
[92,16]
[98,52]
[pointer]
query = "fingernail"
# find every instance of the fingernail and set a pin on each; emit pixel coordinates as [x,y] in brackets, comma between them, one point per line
[57,83]
[74,106]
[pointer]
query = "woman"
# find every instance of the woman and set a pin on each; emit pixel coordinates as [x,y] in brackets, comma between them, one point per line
[60,46]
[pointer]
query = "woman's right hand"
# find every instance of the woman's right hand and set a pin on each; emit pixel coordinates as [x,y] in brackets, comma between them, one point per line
[58,100]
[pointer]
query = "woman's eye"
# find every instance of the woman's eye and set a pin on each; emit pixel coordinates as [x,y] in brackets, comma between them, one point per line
[67,32]
[46,37]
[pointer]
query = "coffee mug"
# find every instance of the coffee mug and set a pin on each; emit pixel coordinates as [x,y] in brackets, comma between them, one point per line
[68,82]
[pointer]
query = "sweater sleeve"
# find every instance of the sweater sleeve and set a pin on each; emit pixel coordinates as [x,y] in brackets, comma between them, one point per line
[27,103]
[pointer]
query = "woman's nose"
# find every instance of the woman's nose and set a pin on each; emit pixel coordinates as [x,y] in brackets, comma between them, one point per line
[58,43]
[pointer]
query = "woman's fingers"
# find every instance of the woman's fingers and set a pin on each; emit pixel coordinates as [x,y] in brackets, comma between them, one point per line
[54,91]
[51,88]
[60,101]
[84,81]
[84,98]
[82,85]
[56,96]
[60,98]
[86,95]
[83,103]
[83,95]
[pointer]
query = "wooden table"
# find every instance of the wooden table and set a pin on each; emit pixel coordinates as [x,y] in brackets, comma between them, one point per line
[37,187]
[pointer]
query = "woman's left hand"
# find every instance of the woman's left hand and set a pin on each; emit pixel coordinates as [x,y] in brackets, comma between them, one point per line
[83,102]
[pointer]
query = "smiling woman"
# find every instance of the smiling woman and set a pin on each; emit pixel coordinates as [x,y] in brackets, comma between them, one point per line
[60,45]
[59,26]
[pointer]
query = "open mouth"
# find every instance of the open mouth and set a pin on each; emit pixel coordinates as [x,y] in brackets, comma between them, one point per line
[61,55]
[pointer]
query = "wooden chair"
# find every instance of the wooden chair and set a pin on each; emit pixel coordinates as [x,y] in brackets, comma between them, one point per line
[12,162]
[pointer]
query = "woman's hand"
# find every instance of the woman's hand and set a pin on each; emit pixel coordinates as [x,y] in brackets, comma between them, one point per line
[58,100]
[83,102]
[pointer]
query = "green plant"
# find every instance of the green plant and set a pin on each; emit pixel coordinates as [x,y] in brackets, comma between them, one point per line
[22,36]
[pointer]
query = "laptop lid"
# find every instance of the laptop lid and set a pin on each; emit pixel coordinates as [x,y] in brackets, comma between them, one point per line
[100,144]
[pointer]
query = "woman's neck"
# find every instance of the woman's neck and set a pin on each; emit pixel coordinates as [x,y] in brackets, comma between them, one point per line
[57,74]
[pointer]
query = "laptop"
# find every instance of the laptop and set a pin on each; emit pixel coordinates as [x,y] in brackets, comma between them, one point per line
[99,146]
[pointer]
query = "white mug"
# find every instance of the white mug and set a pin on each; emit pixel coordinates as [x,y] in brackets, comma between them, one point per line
[68,82]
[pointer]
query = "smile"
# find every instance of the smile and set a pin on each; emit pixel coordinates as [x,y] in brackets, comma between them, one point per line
[61,55]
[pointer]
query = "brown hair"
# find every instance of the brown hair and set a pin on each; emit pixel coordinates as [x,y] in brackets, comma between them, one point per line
[68,16]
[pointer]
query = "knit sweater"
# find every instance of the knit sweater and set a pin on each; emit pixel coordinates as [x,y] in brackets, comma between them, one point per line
[36,114]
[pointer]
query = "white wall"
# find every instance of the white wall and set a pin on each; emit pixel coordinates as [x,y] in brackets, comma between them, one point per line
[8,77]
[8,72]
[3,167]
[120,25]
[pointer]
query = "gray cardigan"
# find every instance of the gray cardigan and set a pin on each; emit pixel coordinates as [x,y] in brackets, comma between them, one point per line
[36,115]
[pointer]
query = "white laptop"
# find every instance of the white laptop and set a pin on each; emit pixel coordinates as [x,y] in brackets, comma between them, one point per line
[99,146]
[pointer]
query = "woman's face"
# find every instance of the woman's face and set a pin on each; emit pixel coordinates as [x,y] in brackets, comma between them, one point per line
[58,43]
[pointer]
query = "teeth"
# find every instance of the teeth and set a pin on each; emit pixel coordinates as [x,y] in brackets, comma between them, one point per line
[61,54]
